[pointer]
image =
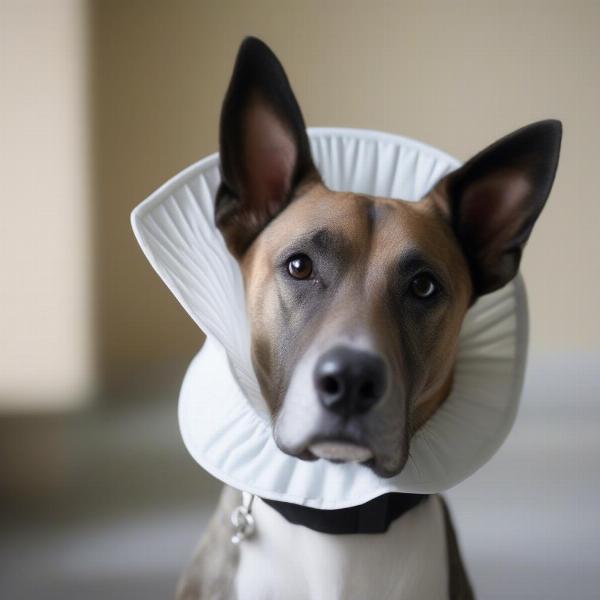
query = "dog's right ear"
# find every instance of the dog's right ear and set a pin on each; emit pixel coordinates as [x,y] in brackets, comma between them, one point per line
[264,149]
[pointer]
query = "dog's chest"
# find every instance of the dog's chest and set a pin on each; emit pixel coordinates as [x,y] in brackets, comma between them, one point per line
[288,562]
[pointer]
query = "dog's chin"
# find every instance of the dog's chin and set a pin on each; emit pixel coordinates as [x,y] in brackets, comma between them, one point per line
[343,451]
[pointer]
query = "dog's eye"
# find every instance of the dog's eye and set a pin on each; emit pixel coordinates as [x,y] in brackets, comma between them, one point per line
[423,286]
[300,266]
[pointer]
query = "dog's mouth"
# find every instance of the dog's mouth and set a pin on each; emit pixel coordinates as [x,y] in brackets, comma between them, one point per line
[349,449]
[340,451]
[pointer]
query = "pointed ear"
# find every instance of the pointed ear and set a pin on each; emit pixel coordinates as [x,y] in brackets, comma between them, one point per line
[264,150]
[493,200]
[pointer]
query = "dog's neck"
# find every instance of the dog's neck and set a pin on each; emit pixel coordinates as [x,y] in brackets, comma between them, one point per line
[374,516]
[288,561]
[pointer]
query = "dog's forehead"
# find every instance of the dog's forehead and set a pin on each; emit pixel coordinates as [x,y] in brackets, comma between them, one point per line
[361,222]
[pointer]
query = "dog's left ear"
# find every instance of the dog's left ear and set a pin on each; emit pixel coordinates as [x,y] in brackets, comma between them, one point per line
[494,199]
[264,149]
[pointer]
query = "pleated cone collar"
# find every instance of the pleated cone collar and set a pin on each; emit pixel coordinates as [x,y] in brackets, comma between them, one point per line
[222,416]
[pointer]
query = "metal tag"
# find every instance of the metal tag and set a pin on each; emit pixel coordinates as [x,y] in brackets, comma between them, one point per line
[242,519]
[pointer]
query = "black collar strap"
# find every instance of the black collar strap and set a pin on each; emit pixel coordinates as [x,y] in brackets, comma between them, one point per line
[374,516]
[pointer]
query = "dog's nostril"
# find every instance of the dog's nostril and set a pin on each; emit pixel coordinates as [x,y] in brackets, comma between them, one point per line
[330,385]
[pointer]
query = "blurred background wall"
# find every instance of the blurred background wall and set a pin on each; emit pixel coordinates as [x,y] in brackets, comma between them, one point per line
[102,101]
[46,316]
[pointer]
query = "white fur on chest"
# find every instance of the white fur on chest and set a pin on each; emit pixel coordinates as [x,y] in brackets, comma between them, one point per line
[283,561]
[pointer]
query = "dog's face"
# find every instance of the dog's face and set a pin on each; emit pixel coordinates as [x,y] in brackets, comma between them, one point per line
[355,303]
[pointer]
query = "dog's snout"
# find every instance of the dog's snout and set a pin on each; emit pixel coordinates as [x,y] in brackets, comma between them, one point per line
[348,381]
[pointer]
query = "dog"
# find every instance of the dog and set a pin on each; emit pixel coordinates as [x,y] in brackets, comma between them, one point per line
[355,305]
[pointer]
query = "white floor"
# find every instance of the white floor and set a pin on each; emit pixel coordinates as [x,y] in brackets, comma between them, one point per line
[529,521]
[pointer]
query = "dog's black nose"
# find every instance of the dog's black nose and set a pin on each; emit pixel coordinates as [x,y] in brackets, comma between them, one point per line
[348,381]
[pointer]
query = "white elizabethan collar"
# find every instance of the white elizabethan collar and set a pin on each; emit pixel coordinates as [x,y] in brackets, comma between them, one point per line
[222,416]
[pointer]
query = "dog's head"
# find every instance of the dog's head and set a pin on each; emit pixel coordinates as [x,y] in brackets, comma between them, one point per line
[355,303]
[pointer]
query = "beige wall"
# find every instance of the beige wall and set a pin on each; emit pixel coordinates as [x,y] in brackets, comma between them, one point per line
[46,350]
[456,75]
